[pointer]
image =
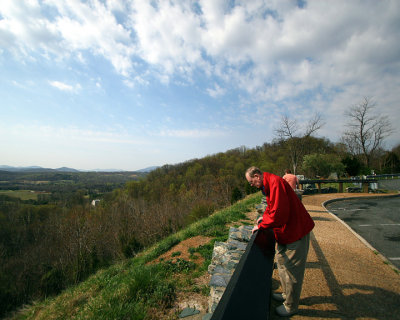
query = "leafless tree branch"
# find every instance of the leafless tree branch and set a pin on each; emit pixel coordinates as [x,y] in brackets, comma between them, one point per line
[314,125]
[365,131]
[287,129]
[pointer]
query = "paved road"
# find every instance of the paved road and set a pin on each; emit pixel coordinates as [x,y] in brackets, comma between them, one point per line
[377,220]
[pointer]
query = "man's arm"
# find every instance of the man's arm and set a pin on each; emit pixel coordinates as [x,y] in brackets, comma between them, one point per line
[277,212]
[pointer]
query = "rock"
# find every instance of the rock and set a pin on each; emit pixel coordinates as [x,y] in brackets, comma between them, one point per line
[187,312]
[219,280]
[226,256]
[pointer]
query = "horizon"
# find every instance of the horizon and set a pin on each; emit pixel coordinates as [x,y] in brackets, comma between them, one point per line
[94,84]
[26,168]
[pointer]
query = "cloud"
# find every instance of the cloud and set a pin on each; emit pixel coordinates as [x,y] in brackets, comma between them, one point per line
[69,134]
[65,87]
[178,37]
[172,41]
[192,133]
[217,91]
[72,27]
[275,52]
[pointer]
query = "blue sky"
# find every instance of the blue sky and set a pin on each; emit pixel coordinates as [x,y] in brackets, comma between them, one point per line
[126,85]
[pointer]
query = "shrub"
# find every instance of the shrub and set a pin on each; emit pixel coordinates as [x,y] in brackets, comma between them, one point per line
[199,211]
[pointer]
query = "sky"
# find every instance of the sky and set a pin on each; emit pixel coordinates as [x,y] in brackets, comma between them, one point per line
[112,84]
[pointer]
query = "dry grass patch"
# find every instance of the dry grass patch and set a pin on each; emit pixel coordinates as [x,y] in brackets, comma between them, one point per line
[181,250]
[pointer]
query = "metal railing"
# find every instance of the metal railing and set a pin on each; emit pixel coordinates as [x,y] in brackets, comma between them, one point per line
[364,182]
[248,294]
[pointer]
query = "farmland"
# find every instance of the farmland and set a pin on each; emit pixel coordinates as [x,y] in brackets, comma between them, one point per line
[23,194]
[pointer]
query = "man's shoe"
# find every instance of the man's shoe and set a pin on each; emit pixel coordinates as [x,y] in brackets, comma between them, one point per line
[278,297]
[283,312]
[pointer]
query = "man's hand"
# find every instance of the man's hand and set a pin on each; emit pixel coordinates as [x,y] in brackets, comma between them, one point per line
[255,228]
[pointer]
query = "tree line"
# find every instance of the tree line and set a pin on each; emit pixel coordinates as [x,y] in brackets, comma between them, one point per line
[48,246]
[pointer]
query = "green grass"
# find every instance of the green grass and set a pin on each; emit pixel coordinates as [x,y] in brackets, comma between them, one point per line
[336,185]
[135,288]
[20,194]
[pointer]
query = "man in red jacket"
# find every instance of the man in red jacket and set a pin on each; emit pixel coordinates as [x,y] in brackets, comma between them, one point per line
[291,224]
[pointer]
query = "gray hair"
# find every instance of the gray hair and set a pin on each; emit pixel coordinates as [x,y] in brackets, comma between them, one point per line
[252,171]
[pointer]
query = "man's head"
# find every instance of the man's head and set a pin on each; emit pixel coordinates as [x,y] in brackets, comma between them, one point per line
[254,177]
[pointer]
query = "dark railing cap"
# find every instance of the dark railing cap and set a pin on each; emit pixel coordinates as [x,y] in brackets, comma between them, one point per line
[306,181]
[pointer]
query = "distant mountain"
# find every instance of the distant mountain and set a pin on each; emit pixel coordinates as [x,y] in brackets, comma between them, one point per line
[17,169]
[105,170]
[35,169]
[66,169]
[149,169]
[8,168]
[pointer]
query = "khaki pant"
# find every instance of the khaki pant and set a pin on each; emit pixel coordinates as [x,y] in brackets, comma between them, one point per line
[291,260]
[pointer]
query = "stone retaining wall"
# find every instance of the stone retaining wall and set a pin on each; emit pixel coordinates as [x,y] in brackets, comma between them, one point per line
[226,256]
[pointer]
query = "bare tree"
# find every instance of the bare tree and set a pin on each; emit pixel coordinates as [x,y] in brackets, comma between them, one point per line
[313,125]
[365,131]
[287,128]
[296,143]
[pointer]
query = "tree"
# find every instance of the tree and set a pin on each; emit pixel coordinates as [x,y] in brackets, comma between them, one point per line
[289,127]
[322,165]
[391,163]
[352,165]
[287,132]
[396,150]
[365,131]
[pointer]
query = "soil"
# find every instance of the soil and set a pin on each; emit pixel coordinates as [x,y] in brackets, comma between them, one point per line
[184,298]
[181,250]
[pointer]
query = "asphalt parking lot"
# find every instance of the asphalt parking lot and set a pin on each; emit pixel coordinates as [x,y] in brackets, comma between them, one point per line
[377,220]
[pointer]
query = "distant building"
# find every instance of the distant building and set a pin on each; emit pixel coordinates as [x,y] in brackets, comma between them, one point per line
[95,202]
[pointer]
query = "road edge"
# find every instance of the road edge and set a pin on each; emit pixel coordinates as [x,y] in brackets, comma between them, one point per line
[365,242]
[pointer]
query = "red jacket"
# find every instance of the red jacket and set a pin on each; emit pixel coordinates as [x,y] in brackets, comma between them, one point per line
[285,213]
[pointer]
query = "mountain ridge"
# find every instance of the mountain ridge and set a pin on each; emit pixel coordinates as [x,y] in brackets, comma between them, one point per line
[66,169]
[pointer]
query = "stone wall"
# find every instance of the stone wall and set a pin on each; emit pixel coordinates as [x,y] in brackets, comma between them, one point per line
[226,256]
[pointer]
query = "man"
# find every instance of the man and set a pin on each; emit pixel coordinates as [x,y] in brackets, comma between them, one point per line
[291,179]
[291,224]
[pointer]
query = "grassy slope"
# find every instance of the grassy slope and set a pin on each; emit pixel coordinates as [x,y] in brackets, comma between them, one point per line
[134,289]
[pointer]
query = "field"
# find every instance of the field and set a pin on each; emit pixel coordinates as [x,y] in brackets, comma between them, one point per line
[22,194]
[28,185]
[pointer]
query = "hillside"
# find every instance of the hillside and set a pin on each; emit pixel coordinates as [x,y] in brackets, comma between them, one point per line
[151,285]
[52,237]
